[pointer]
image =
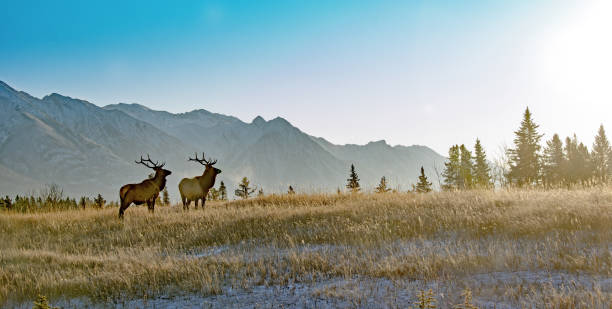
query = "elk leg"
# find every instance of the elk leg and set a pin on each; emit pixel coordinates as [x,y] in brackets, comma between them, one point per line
[203,203]
[122,209]
[152,206]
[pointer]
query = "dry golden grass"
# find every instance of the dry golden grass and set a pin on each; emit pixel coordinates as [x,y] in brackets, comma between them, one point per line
[274,240]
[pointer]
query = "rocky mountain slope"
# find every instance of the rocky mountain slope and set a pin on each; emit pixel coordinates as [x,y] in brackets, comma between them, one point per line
[89,149]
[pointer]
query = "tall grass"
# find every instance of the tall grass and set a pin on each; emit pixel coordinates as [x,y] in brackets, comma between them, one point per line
[279,239]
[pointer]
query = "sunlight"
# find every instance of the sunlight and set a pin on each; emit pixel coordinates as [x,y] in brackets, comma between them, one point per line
[576,60]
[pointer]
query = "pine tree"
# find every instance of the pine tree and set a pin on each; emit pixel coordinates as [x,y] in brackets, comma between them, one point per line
[213,194]
[570,173]
[353,181]
[465,169]
[423,186]
[99,201]
[382,186]
[452,169]
[244,190]
[222,192]
[553,162]
[602,157]
[482,171]
[578,167]
[525,156]
[290,191]
[166,197]
[585,167]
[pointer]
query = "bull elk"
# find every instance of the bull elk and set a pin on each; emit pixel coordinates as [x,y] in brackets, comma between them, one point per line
[195,189]
[146,191]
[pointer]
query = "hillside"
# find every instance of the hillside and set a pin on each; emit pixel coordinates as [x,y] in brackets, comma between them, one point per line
[89,149]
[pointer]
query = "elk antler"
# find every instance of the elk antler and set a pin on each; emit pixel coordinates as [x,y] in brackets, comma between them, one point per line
[148,161]
[203,161]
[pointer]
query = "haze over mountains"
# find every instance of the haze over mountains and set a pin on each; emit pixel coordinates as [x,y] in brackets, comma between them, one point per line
[88,149]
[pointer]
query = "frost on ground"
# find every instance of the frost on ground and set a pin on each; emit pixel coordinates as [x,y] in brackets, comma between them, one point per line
[511,249]
[499,289]
[494,290]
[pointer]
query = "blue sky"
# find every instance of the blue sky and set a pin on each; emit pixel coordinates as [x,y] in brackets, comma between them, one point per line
[412,72]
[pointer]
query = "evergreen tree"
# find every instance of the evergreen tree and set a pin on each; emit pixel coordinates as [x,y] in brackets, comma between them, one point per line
[525,156]
[213,194]
[482,171]
[602,157]
[553,162]
[99,201]
[222,192]
[382,186]
[585,168]
[166,197]
[244,190]
[423,186]
[452,169]
[465,169]
[83,202]
[578,166]
[290,191]
[6,202]
[353,180]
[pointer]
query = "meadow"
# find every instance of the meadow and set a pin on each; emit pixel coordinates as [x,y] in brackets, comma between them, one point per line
[505,249]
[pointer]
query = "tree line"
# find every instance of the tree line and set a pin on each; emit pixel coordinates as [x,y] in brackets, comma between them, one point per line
[528,164]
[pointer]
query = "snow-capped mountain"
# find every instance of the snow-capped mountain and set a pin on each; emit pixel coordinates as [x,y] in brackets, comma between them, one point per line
[89,149]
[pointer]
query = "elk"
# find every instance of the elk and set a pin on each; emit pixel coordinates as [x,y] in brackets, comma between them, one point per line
[195,189]
[146,191]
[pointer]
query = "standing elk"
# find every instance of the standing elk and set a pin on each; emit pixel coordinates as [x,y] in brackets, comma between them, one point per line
[195,189]
[146,191]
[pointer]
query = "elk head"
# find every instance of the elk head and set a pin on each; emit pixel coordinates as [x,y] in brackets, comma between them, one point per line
[208,163]
[158,168]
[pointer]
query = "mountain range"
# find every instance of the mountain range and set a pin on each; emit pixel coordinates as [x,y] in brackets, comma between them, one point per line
[87,149]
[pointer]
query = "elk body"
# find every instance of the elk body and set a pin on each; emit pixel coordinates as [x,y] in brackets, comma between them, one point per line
[146,191]
[195,189]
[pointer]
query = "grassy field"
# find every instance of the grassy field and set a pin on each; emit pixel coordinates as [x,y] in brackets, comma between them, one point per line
[510,248]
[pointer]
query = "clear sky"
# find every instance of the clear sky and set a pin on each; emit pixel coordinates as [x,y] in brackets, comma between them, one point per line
[411,72]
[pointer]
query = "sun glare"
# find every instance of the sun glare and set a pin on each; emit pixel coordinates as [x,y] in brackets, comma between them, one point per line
[577,58]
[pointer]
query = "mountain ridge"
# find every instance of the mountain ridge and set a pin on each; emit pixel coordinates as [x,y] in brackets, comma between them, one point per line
[274,154]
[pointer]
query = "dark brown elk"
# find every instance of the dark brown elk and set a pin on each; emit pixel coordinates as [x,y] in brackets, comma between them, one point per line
[195,189]
[146,191]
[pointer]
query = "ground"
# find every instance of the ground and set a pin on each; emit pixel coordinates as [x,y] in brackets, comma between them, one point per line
[510,249]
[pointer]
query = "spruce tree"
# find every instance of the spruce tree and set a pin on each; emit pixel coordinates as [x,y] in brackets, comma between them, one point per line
[423,186]
[570,173]
[353,181]
[166,197]
[452,169]
[213,194]
[83,202]
[482,171]
[99,201]
[525,158]
[466,167]
[244,190]
[602,157]
[585,167]
[382,186]
[553,162]
[578,168]
[222,192]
